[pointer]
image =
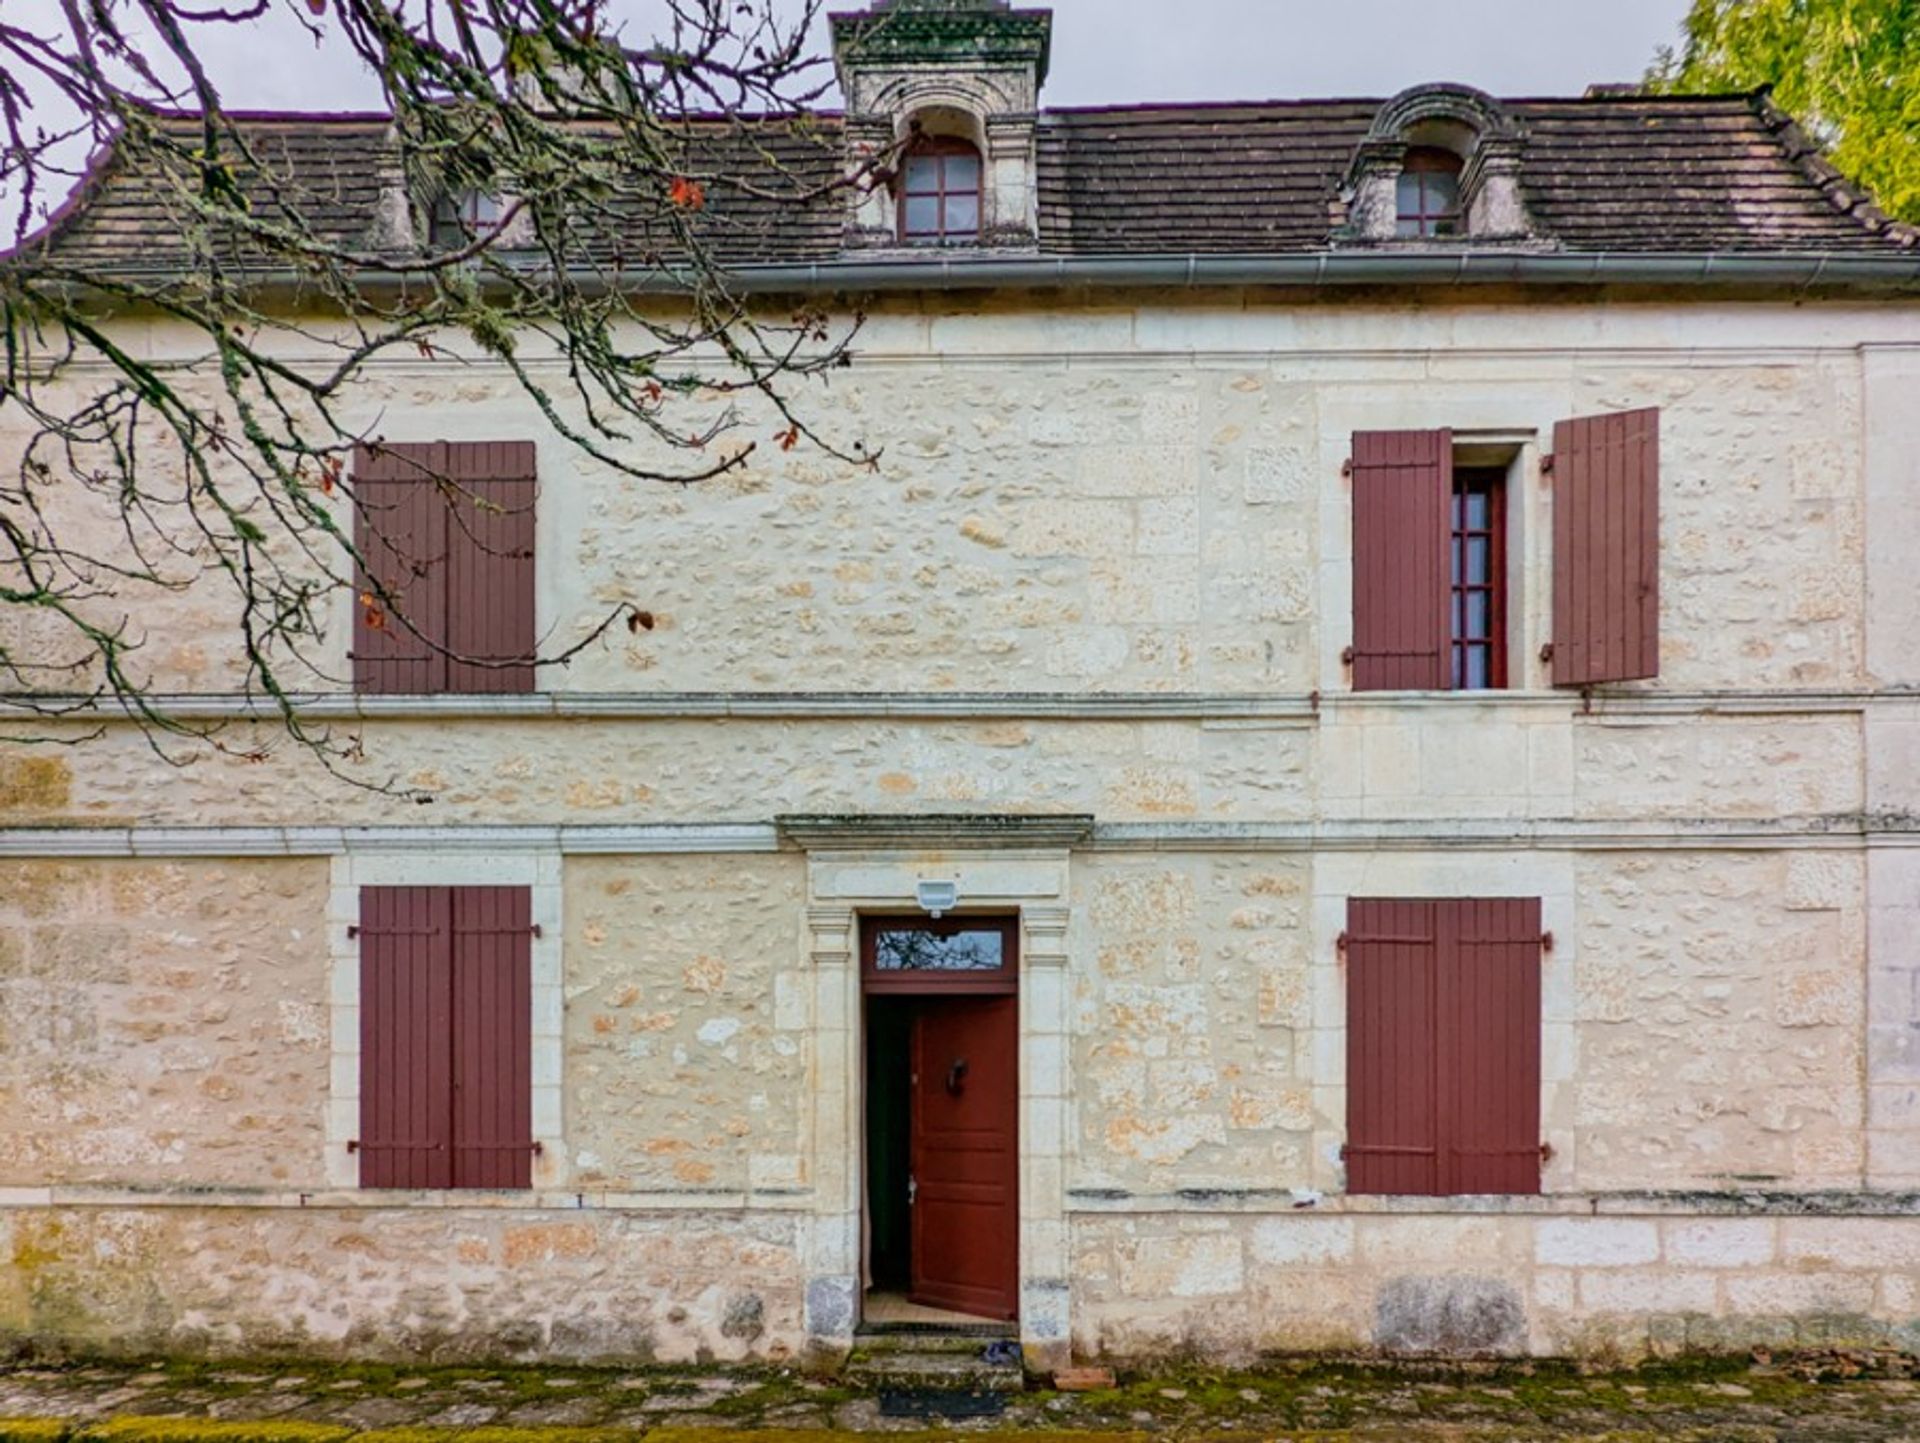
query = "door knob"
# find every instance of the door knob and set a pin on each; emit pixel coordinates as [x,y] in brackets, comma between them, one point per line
[956,1075]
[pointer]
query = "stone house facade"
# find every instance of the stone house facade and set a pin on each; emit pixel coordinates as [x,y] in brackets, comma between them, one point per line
[1348,783]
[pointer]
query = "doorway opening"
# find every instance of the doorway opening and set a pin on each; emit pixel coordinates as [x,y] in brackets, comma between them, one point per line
[942,1042]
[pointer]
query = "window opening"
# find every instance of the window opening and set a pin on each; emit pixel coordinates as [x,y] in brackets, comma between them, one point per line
[940,194]
[1479,580]
[1429,193]
[459,218]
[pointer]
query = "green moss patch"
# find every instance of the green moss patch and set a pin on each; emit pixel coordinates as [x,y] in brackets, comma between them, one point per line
[210,1430]
[34,1430]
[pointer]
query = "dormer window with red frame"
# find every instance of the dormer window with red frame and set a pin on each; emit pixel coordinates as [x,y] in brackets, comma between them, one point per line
[940,193]
[1428,193]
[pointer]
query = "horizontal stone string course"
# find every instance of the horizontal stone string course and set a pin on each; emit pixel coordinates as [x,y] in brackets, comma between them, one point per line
[1705,834]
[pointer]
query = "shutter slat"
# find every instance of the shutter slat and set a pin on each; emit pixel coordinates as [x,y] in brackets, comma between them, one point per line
[1402,494]
[1606,548]
[405,949]
[493,1059]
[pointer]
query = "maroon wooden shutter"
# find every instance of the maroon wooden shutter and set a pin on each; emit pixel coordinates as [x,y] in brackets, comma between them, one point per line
[1402,497]
[1606,548]
[1392,1097]
[400,531]
[490,572]
[1443,1046]
[448,529]
[1489,1045]
[405,1026]
[492,1065]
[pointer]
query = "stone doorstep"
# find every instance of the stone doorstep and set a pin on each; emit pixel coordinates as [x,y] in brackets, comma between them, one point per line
[935,1364]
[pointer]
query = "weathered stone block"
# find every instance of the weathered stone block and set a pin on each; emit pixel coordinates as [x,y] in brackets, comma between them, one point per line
[1596,1242]
[1287,1242]
[1720,1242]
[1450,1316]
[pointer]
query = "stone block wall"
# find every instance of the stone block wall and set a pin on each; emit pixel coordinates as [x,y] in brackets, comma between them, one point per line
[1102,569]
[1395,1281]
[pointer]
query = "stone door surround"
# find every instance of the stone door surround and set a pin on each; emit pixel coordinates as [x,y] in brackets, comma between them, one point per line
[875,864]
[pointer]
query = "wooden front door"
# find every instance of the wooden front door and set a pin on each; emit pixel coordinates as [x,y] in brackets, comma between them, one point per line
[965,1155]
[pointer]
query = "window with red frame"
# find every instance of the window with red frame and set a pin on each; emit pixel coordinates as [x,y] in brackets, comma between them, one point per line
[940,194]
[1479,572]
[1429,193]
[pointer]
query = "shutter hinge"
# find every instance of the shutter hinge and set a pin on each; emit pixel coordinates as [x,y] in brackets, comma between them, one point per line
[1546,1153]
[1313,701]
[1546,653]
[1546,463]
[1346,469]
[353,930]
[538,933]
[1586,701]
[353,1144]
[1340,944]
[1343,1152]
[1346,656]
[1546,941]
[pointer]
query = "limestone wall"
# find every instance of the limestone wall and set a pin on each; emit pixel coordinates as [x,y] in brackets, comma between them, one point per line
[164,1023]
[1622,1285]
[687,1026]
[1143,496]
[434,1284]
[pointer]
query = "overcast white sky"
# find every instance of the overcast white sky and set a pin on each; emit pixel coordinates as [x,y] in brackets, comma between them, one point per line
[1119,51]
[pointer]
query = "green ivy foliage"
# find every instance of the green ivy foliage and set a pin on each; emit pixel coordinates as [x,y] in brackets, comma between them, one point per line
[1847,70]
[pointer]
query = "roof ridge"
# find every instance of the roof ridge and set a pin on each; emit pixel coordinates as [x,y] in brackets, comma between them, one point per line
[1841,193]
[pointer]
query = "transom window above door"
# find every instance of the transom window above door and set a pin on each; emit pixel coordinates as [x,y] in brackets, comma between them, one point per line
[915,953]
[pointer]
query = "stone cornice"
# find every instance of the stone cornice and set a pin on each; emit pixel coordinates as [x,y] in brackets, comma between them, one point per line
[960,831]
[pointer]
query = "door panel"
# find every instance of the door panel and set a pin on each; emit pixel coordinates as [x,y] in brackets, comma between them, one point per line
[966,1155]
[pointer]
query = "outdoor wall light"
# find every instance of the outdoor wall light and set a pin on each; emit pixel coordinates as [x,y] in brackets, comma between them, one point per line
[937,897]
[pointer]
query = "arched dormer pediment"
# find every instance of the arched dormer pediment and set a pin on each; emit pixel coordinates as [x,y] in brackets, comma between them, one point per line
[1440,164]
[1440,106]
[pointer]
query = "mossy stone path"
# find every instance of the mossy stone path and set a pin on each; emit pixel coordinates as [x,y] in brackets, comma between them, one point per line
[178,1402]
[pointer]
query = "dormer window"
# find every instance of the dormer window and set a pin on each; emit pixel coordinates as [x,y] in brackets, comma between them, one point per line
[940,193]
[1439,163]
[460,217]
[1428,193]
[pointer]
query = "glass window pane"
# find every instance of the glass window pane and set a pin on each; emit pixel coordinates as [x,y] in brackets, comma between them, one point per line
[1479,559]
[1442,192]
[1407,193]
[483,208]
[923,175]
[915,951]
[963,172]
[1478,512]
[923,215]
[1479,614]
[1478,672]
[963,216]
[1459,614]
[1456,561]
